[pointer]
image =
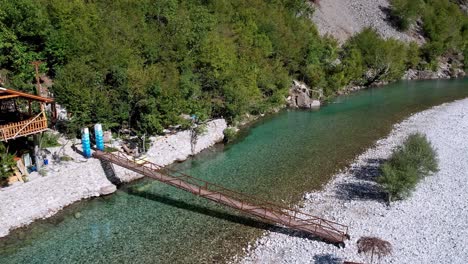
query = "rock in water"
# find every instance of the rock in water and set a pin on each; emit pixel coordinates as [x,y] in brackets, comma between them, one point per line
[109,189]
[315,104]
[300,96]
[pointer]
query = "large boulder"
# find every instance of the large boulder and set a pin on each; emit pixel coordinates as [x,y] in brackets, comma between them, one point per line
[300,96]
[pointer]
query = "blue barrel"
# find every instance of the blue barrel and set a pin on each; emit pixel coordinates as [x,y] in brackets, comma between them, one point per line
[85,142]
[99,137]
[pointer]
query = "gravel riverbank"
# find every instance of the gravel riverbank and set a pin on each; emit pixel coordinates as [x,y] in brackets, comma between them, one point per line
[343,19]
[71,181]
[429,227]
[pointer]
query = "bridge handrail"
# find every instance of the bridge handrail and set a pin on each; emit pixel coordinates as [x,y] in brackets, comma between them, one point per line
[293,214]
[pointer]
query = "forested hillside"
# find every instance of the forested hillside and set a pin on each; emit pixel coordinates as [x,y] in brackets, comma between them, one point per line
[143,63]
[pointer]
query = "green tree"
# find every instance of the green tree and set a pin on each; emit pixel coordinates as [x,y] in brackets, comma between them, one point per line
[406,12]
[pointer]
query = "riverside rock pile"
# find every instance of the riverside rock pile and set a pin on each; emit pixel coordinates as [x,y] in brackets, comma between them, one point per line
[71,181]
[428,227]
[342,19]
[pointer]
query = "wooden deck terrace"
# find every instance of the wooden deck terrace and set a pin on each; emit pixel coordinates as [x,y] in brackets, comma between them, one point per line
[13,124]
[23,128]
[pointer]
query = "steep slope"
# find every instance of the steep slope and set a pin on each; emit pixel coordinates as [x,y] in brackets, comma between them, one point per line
[342,19]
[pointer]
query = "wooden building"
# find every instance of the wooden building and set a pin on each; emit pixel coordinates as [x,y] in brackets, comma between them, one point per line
[22,114]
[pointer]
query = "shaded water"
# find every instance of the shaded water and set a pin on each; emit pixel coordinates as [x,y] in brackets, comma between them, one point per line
[279,158]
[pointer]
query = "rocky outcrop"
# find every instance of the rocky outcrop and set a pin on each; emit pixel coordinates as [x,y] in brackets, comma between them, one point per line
[300,96]
[450,67]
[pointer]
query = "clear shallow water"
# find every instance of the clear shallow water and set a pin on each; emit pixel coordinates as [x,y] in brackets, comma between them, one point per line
[279,158]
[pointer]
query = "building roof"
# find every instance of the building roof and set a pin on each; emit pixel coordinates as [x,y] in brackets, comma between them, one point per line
[8,94]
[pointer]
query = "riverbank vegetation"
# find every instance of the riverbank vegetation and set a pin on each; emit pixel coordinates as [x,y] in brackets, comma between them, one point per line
[141,64]
[409,164]
[7,162]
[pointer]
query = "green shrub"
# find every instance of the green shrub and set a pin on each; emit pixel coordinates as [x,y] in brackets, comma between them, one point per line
[408,164]
[42,172]
[66,158]
[406,12]
[230,134]
[370,58]
[398,182]
[201,129]
[49,140]
[110,149]
[6,162]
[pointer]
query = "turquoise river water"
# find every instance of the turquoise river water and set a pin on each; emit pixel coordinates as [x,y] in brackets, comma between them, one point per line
[279,158]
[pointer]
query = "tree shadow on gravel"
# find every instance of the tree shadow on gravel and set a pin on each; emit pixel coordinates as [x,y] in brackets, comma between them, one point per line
[327,259]
[364,187]
[246,221]
[368,172]
[390,18]
[360,191]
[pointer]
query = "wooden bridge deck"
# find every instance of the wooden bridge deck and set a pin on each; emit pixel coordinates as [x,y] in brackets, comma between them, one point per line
[327,230]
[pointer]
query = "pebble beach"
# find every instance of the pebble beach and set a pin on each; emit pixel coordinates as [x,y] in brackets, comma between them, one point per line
[69,182]
[430,226]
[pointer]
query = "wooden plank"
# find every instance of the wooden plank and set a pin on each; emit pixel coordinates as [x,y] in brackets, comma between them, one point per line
[26,95]
[22,168]
[18,175]
[8,96]
[12,179]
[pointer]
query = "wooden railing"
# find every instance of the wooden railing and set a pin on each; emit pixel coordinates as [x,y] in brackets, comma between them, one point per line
[23,128]
[273,213]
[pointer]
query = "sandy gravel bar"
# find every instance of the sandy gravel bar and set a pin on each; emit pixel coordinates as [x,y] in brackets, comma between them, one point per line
[431,226]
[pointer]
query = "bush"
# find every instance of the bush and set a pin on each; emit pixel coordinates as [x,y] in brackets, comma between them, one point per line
[201,129]
[230,134]
[49,140]
[6,162]
[406,12]
[408,164]
[369,57]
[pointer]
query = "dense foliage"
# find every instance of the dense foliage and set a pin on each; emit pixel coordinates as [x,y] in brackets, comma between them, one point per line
[407,166]
[7,162]
[141,64]
[443,23]
[368,58]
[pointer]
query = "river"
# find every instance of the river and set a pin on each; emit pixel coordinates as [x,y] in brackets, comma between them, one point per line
[278,158]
